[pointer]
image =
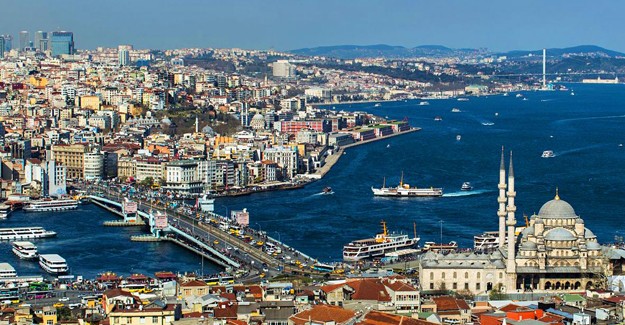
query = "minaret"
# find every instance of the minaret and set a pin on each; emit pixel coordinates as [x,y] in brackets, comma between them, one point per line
[502,202]
[197,124]
[511,222]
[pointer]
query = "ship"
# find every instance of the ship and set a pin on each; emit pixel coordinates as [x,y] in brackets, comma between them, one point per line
[404,190]
[46,205]
[206,203]
[5,210]
[486,242]
[378,247]
[25,233]
[466,186]
[548,154]
[53,263]
[24,249]
[442,248]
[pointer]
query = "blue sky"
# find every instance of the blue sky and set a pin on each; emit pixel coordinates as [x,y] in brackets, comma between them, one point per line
[291,24]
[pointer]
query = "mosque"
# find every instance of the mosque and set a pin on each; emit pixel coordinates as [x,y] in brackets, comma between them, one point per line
[554,253]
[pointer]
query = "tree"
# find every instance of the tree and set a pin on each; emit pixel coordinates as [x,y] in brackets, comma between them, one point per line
[148,181]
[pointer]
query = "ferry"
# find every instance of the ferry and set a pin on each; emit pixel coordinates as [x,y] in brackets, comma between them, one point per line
[7,271]
[53,263]
[404,190]
[377,247]
[486,242]
[438,118]
[24,249]
[5,210]
[327,191]
[424,103]
[206,203]
[431,246]
[25,233]
[51,205]
[548,154]
[377,105]
[466,186]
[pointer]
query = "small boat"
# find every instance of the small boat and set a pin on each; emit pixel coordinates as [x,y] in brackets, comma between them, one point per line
[5,210]
[548,154]
[377,105]
[462,99]
[327,190]
[572,93]
[488,123]
[505,94]
[388,145]
[424,103]
[438,118]
[524,98]
[620,144]
[496,114]
[455,110]
[24,249]
[458,137]
[519,95]
[466,186]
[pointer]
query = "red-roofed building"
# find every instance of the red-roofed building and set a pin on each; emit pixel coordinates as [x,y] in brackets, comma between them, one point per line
[193,288]
[453,310]
[324,315]
[379,318]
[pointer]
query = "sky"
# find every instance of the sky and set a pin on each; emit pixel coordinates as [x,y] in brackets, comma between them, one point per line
[499,25]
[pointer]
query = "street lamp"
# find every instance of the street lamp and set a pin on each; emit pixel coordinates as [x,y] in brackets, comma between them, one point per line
[260,231]
[279,240]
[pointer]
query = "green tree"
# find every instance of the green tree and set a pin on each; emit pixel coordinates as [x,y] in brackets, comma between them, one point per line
[148,181]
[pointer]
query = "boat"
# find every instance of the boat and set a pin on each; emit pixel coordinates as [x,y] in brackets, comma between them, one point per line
[431,246]
[5,210]
[25,233]
[327,190]
[488,123]
[505,94]
[424,103]
[24,249]
[486,242]
[572,93]
[519,95]
[458,137]
[438,118]
[388,145]
[548,154]
[206,203]
[466,186]
[377,105]
[404,190]
[524,98]
[51,205]
[53,263]
[462,99]
[377,247]
[7,271]
[455,110]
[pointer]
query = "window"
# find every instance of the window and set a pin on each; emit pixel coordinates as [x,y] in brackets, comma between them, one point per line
[431,286]
[455,286]
[466,275]
[466,286]
[477,286]
[431,275]
[142,320]
[443,275]
[154,319]
[455,275]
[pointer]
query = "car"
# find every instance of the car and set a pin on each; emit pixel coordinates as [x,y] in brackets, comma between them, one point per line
[216,242]
[58,305]
[265,269]
[262,275]
[64,299]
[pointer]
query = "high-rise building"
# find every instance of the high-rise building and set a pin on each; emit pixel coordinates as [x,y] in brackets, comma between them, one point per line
[62,43]
[123,54]
[24,40]
[283,69]
[8,42]
[41,40]
[2,45]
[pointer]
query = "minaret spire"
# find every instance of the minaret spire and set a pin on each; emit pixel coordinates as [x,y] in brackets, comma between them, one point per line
[501,213]
[511,222]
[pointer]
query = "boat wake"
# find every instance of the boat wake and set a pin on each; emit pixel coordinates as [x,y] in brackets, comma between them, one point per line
[466,193]
[566,152]
[588,118]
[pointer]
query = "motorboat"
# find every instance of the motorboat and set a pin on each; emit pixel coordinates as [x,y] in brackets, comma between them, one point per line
[458,137]
[5,210]
[466,186]
[455,110]
[438,118]
[424,103]
[327,190]
[377,105]
[548,154]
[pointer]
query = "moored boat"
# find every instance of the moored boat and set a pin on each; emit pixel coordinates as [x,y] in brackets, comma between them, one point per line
[486,242]
[5,210]
[404,190]
[377,247]
[24,249]
[53,263]
[51,205]
[25,233]
[431,246]
[7,271]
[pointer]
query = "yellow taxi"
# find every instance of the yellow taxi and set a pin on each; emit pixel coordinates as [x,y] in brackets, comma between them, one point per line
[216,242]
[58,305]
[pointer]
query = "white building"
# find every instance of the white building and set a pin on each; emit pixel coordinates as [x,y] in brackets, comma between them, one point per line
[286,158]
[55,181]
[123,56]
[182,176]
[283,69]
[93,166]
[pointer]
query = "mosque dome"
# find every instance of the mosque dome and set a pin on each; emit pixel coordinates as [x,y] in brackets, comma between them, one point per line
[166,120]
[557,209]
[258,116]
[528,246]
[593,246]
[589,234]
[559,234]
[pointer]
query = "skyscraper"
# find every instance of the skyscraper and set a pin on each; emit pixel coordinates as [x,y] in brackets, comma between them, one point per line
[8,42]
[1,46]
[62,43]
[123,53]
[41,39]
[24,40]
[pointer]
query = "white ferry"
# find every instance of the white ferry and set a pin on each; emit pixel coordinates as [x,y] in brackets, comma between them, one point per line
[53,263]
[431,246]
[377,247]
[548,154]
[404,190]
[7,271]
[51,205]
[424,103]
[25,233]
[486,242]
[5,210]
[24,249]
[206,203]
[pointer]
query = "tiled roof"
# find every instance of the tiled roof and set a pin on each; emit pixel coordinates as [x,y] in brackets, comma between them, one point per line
[194,283]
[380,318]
[449,303]
[369,289]
[323,313]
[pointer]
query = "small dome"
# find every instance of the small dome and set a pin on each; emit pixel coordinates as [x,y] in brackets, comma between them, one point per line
[166,120]
[557,209]
[593,246]
[559,234]
[589,234]
[527,231]
[528,246]
[258,116]
[496,254]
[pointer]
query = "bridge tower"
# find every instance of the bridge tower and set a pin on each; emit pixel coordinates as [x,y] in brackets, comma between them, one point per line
[129,211]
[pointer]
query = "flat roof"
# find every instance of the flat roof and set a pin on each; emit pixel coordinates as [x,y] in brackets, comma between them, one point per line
[6,267]
[52,257]
[25,244]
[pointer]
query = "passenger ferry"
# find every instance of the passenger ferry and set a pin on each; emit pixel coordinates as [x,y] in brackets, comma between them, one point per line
[51,205]
[548,154]
[24,249]
[25,233]
[7,271]
[53,263]
[431,246]
[404,190]
[486,242]
[5,210]
[377,247]
[206,203]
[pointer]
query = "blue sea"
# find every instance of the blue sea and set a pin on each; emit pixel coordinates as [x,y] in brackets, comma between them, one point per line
[584,131]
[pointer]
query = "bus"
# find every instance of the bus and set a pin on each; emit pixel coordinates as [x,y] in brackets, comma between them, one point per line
[30,295]
[324,268]
[135,287]
[38,286]
[220,280]
[11,294]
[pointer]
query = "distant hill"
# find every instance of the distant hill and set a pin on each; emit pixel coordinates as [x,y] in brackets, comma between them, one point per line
[382,50]
[581,49]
